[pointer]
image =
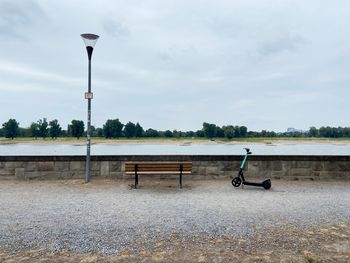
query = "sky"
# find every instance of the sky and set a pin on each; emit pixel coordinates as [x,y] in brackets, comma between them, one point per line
[174,64]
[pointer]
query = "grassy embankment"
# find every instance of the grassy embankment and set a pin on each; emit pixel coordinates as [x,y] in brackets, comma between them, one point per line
[266,140]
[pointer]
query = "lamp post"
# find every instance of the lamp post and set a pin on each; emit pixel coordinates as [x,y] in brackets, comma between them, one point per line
[90,41]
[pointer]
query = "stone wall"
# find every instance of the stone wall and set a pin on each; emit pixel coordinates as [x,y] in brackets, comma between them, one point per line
[204,166]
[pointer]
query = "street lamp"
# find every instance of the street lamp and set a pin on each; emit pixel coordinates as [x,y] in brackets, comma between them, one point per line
[90,41]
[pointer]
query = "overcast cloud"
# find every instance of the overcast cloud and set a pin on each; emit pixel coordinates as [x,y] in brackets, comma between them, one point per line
[175,64]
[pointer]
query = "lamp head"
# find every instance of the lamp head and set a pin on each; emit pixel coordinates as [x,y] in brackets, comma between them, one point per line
[90,41]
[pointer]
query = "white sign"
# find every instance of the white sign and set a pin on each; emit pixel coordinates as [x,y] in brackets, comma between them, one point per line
[89,95]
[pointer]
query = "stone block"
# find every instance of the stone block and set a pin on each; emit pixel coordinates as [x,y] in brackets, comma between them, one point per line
[277,174]
[45,166]
[77,174]
[104,169]
[115,166]
[30,166]
[62,166]
[259,164]
[254,169]
[337,166]
[19,173]
[40,175]
[334,175]
[64,175]
[211,170]
[95,166]
[196,163]
[209,163]
[95,173]
[315,175]
[200,171]
[317,166]
[224,174]
[227,166]
[6,173]
[259,174]
[300,164]
[77,166]
[12,165]
[299,172]
[276,166]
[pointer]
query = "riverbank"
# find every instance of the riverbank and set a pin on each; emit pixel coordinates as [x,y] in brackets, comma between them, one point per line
[179,141]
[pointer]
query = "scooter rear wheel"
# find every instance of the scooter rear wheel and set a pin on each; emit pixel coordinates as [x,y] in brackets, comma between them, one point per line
[267,184]
[236,182]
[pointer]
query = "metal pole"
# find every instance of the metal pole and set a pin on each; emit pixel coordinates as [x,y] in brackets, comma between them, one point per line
[88,138]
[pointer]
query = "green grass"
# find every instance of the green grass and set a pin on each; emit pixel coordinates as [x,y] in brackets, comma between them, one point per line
[265,140]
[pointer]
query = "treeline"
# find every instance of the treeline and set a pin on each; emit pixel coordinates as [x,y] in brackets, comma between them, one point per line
[330,132]
[114,128]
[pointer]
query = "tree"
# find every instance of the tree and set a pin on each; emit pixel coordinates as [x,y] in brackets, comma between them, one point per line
[76,128]
[229,131]
[200,133]
[313,132]
[43,128]
[209,130]
[237,134]
[35,130]
[130,130]
[152,133]
[177,134]
[11,128]
[168,134]
[55,129]
[190,134]
[243,131]
[139,130]
[219,132]
[113,128]
[98,132]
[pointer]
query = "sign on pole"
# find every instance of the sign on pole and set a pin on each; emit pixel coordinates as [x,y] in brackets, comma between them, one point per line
[89,95]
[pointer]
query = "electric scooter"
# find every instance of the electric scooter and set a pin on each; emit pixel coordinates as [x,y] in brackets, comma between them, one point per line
[239,179]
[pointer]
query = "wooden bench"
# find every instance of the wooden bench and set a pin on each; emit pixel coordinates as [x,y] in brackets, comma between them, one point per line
[155,168]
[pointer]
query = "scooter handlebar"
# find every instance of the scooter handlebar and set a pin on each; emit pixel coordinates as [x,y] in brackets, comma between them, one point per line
[247,150]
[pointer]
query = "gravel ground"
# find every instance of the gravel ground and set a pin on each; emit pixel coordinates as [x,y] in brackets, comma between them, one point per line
[108,216]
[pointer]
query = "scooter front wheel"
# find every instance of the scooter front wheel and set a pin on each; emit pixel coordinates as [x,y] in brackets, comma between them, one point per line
[236,181]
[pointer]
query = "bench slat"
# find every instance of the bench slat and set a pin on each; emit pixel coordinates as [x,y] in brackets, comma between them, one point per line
[158,162]
[129,167]
[159,172]
[158,168]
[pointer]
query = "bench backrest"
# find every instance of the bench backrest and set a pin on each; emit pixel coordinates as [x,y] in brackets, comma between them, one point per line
[158,166]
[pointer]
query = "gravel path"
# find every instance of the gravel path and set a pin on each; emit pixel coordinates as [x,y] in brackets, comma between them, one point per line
[106,216]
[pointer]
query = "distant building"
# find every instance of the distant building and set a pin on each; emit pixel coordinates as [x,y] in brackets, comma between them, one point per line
[293,130]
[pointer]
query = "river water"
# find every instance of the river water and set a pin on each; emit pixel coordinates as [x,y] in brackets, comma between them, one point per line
[173,149]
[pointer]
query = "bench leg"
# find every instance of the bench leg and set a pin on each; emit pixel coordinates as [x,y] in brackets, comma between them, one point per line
[181,180]
[136,175]
[181,169]
[136,179]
